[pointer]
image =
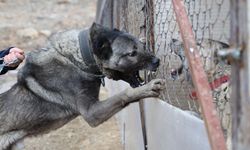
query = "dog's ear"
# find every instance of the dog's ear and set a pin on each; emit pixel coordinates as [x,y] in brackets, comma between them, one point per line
[96,29]
[100,42]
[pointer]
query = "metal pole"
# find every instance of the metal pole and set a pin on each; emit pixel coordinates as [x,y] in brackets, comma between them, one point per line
[240,31]
[199,77]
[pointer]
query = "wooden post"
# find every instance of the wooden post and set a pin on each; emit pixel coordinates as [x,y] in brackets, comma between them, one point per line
[240,31]
[104,13]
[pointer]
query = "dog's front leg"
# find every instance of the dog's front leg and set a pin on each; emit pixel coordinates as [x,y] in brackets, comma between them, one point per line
[100,111]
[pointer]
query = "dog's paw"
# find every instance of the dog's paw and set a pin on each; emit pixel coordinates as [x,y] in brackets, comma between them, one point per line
[154,87]
[151,89]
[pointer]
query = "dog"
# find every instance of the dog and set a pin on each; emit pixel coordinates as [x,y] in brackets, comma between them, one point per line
[62,81]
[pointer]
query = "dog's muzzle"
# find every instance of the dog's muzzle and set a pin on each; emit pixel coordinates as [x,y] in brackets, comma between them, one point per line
[135,80]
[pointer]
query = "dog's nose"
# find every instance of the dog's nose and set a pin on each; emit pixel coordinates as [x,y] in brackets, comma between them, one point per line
[156,62]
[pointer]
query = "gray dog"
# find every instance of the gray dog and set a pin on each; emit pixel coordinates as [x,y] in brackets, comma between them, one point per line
[63,80]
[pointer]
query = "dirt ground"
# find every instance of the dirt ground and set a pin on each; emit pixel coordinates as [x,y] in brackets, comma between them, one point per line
[27,24]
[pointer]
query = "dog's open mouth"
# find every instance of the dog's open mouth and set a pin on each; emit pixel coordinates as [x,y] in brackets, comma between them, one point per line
[133,77]
[135,80]
[138,77]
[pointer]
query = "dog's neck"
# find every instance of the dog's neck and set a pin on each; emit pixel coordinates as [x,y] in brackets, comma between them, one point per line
[87,55]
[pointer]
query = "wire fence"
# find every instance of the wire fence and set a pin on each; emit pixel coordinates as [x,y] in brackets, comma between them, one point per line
[155,20]
[210,21]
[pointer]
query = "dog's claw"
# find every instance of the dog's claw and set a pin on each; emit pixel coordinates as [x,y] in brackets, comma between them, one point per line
[153,88]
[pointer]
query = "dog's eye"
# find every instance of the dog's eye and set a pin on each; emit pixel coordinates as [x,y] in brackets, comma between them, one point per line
[132,54]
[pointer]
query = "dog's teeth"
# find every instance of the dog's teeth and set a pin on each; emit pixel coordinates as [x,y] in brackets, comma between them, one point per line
[153,72]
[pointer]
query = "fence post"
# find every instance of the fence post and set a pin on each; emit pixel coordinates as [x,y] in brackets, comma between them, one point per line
[240,31]
[104,13]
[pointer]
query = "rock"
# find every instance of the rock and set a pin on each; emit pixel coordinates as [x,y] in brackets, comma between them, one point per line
[30,33]
[70,135]
[46,33]
[67,1]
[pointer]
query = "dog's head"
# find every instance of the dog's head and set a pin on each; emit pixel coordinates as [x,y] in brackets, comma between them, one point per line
[120,54]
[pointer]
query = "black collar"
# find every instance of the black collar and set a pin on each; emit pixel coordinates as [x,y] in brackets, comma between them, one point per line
[87,55]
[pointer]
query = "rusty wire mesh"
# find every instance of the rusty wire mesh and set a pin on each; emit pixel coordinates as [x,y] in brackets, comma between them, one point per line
[210,21]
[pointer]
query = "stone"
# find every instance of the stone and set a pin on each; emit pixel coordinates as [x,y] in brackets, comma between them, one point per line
[46,33]
[30,33]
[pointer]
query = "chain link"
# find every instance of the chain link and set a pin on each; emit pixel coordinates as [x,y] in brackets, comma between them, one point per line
[210,21]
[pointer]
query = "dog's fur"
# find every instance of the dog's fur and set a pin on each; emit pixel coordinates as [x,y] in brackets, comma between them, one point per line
[56,85]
